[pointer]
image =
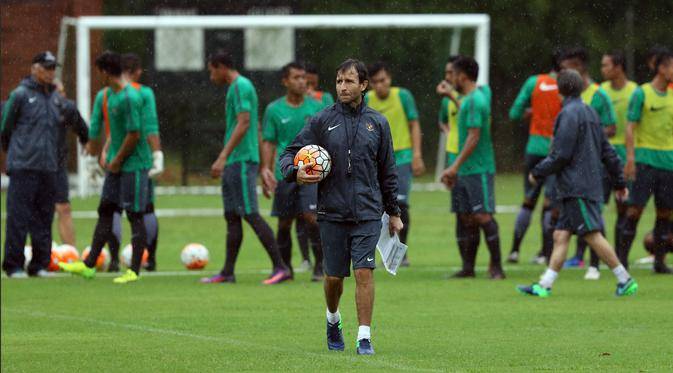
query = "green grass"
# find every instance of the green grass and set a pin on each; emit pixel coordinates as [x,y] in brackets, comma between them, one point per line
[422,321]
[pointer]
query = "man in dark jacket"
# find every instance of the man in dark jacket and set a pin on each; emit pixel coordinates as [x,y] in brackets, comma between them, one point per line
[70,118]
[362,184]
[579,150]
[29,132]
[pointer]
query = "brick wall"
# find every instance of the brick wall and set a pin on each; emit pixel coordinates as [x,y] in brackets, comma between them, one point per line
[31,26]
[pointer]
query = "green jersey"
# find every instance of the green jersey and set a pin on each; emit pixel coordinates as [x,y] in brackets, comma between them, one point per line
[653,111]
[149,111]
[242,98]
[121,113]
[282,122]
[475,112]
[620,102]
[399,108]
[596,97]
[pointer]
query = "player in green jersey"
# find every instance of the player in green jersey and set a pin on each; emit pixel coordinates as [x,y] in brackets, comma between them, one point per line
[326,99]
[236,166]
[118,109]
[398,106]
[649,160]
[471,175]
[619,88]
[283,119]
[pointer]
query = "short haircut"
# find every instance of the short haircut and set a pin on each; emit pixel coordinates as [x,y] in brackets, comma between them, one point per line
[656,50]
[570,83]
[662,58]
[377,67]
[310,68]
[292,65]
[359,67]
[221,58]
[453,58]
[131,62]
[109,62]
[576,53]
[468,66]
[618,58]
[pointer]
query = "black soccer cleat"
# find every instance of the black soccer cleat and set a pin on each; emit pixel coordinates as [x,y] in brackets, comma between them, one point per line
[364,347]
[335,337]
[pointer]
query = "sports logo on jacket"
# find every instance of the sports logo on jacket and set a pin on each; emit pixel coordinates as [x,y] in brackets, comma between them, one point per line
[370,127]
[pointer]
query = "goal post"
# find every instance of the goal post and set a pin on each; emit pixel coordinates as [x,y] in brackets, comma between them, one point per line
[84,25]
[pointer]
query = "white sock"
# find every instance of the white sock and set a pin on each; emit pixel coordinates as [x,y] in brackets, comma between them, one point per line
[364,332]
[621,273]
[548,277]
[333,318]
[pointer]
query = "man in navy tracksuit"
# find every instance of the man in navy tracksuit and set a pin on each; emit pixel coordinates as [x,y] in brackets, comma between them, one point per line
[29,131]
[362,184]
[579,151]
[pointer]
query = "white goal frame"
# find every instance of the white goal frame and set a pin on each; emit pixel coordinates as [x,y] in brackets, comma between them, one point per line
[84,25]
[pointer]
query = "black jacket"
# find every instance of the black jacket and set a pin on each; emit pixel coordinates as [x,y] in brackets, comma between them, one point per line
[579,150]
[371,186]
[70,118]
[29,127]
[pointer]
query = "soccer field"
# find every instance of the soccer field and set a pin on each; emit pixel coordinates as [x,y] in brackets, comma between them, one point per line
[422,321]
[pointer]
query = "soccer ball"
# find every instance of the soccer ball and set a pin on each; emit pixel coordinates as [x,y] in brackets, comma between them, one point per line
[127,255]
[68,253]
[194,256]
[316,154]
[103,259]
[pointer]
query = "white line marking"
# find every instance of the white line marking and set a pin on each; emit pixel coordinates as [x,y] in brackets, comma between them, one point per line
[209,338]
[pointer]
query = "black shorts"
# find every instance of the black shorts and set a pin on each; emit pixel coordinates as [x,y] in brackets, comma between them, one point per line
[343,243]
[473,194]
[292,199]
[239,188]
[650,180]
[532,192]
[127,190]
[62,189]
[404,178]
[580,216]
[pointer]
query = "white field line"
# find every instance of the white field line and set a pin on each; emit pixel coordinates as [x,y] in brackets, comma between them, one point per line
[219,339]
[448,269]
[217,212]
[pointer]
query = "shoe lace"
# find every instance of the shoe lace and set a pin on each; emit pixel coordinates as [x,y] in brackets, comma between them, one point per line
[333,332]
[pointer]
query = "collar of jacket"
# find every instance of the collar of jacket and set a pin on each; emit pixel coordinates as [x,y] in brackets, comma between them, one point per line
[347,109]
[30,82]
[570,100]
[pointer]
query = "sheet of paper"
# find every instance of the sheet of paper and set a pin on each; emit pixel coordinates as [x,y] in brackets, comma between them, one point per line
[391,249]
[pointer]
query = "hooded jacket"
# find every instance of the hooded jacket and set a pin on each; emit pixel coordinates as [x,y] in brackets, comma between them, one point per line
[362,182]
[29,127]
[578,152]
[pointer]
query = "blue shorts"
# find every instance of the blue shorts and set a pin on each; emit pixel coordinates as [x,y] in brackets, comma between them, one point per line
[652,181]
[346,242]
[62,190]
[473,194]
[580,216]
[404,178]
[127,190]
[239,188]
[292,199]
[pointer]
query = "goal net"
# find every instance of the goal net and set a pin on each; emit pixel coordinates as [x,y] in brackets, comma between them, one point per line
[174,45]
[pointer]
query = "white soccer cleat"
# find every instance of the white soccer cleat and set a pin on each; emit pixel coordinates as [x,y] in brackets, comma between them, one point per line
[592,274]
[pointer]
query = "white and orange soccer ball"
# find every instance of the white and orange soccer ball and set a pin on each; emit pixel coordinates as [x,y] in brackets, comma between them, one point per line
[68,253]
[103,259]
[127,255]
[314,154]
[194,256]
